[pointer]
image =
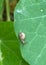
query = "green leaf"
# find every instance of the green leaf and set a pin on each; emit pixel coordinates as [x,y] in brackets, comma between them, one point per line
[9,47]
[30,18]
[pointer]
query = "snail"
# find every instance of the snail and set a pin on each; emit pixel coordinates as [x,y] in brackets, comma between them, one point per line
[22,37]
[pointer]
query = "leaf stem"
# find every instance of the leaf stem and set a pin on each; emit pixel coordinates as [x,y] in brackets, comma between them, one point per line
[7,10]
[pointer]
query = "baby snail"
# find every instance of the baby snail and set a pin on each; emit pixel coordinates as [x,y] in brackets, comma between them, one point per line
[22,37]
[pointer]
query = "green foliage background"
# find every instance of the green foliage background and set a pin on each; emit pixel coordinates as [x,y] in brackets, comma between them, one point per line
[1,8]
[9,46]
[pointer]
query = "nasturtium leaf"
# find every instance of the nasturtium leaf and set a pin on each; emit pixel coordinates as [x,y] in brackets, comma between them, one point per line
[9,47]
[30,18]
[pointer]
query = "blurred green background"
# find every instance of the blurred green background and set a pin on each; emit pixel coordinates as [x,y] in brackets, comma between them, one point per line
[7,9]
[9,46]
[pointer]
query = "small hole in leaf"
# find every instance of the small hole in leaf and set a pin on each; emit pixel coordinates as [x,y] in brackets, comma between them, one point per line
[41,10]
